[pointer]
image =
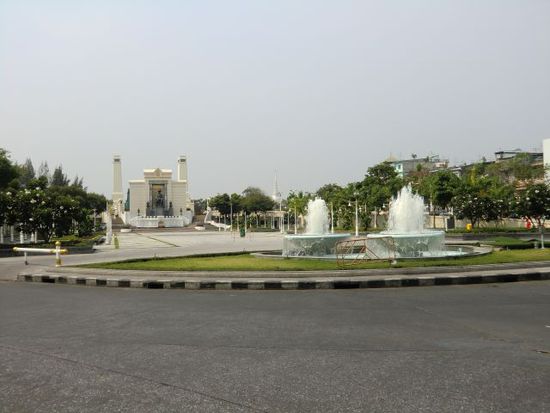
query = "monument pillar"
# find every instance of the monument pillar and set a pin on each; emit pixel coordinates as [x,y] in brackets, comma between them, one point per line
[117,184]
[182,168]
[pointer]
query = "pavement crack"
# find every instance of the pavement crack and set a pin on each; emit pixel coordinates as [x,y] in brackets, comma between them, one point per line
[158,240]
[295,348]
[132,376]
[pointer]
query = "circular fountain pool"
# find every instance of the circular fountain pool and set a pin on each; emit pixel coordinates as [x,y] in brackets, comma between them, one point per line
[317,240]
[311,245]
[406,236]
[425,244]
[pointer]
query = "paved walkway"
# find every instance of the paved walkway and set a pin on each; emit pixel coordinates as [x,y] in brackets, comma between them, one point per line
[160,244]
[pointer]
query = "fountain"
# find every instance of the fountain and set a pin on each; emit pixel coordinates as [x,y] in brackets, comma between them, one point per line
[317,241]
[405,237]
[406,229]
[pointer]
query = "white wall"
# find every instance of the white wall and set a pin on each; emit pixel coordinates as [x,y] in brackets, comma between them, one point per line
[179,196]
[138,197]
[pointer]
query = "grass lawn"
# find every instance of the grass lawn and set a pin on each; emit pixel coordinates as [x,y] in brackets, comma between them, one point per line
[510,243]
[246,262]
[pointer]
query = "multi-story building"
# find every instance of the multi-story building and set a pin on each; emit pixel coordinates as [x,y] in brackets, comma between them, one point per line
[405,167]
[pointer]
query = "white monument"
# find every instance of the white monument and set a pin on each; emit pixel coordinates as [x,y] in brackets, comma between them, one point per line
[156,200]
[546,154]
[117,186]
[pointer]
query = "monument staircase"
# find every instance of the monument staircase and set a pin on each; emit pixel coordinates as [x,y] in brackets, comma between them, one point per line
[198,220]
[117,224]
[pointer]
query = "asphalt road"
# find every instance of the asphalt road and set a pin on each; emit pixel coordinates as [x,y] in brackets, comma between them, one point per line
[483,348]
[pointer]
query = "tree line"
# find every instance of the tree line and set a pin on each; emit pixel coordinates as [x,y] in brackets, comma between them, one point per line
[484,192]
[47,203]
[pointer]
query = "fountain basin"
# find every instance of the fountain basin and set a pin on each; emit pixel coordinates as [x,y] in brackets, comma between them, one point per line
[311,245]
[425,244]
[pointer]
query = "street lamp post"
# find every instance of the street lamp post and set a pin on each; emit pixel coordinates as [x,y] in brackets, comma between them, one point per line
[356,219]
[231,214]
[356,216]
[281,216]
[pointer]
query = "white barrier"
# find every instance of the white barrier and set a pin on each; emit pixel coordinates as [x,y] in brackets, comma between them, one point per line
[57,251]
[218,225]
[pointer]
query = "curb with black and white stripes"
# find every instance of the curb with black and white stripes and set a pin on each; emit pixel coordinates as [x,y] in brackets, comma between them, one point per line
[290,284]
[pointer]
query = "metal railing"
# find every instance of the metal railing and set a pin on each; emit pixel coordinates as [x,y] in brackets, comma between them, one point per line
[355,251]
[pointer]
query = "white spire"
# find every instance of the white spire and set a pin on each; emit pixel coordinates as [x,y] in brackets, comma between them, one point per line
[276,194]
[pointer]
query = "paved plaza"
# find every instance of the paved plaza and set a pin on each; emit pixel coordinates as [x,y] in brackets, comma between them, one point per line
[149,244]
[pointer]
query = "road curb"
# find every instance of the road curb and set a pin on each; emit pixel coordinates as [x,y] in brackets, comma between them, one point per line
[292,284]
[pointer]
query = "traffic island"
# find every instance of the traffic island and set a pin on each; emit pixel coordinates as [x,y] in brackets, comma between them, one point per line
[296,280]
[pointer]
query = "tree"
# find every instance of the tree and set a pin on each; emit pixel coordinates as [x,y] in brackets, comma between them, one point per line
[48,209]
[200,206]
[80,182]
[380,183]
[8,171]
[418,177]
[329,192]
[255,200]
[27,204]
[66,211]
[44,170]
[26,173]
[502,195]
[59,178]
[439,188]
[483,195]
[472,207]
[222,202]
[373,193]
[236,201]
[94,201]
[4,203]
[534,204]
[297,203]
[10,210]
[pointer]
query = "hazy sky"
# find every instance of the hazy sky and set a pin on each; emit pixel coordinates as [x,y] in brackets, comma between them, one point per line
[317,90]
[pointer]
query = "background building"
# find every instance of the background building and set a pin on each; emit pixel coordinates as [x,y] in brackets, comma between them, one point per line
[404,167]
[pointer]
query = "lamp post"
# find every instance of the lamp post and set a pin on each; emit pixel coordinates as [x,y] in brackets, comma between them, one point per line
[356,215]
[356,219]
[281,216]
[231,214]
